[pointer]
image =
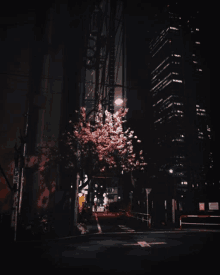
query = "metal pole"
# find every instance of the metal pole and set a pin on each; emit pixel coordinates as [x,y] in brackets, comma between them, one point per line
[147,211]
[15,201]
[148,190]
[76,200]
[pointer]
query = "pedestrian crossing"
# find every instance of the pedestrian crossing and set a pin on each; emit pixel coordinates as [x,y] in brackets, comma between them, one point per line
[125,228]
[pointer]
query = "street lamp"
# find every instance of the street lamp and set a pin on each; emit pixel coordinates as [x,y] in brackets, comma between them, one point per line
[118,102]
[173,200]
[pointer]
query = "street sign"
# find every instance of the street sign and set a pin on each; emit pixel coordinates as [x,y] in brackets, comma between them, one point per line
[148,190]
[202,206]
[213,206]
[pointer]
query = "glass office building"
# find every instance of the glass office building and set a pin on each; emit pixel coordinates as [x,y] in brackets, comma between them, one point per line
[181,157]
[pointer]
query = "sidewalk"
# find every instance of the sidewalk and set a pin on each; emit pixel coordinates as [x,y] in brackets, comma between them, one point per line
[106,214]
[156,227]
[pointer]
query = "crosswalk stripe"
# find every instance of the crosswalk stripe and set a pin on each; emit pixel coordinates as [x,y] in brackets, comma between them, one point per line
[126,228]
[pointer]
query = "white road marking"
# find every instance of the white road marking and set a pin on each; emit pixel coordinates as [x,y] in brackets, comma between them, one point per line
[144,244]
[126,228]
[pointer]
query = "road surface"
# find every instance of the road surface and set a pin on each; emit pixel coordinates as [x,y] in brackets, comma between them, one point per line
[119,244]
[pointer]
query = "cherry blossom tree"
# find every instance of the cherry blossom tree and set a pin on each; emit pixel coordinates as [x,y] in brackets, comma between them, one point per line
[99,148]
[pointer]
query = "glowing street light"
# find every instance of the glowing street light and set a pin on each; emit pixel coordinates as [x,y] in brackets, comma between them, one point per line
[118,102]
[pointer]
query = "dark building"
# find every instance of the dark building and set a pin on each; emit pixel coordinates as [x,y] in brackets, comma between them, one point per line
[63,59]
[181,160]
[40,72]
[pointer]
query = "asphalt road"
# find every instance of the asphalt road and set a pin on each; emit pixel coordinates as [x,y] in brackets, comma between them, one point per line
[120,245]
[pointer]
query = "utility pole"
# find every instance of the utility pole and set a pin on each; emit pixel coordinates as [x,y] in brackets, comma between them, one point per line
[16,193]
[18,178]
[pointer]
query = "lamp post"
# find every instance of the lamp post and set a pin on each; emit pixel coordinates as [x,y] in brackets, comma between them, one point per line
[174,199]
[147,192]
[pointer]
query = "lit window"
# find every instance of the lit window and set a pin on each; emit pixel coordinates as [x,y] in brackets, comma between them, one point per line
[158,120]
[197,42]
[177,139]
[177,55]
[158,102]
[160,48]
[197,29]
[179,17]
[177,80]
[160,65]
[184,182]
[172,28]
[195,61]
[193,54]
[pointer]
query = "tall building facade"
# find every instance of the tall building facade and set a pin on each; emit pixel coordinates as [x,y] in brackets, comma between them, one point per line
[103,74]
[181,158]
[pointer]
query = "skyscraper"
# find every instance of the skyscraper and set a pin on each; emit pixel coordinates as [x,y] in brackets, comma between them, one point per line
[182,156]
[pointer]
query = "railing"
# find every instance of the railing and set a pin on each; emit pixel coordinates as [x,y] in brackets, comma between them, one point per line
[197,216]
[140,216]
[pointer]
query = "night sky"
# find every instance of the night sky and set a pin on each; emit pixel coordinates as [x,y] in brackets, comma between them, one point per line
[140,23]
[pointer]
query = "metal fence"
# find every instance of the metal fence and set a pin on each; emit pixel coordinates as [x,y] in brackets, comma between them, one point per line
[139,216]
[197,216]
